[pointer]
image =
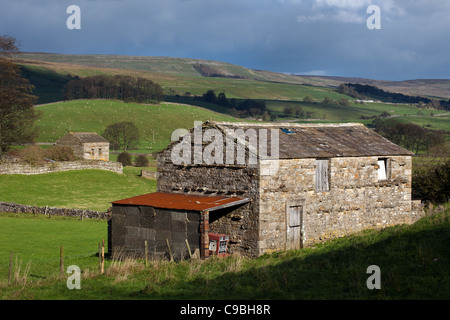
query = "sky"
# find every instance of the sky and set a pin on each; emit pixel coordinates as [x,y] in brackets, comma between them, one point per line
[402,40]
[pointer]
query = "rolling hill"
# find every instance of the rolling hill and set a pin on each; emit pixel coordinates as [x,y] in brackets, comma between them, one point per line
[182,79]
[438,88]
[155,122]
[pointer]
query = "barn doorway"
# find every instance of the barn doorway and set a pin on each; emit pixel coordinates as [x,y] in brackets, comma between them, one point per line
[294,219]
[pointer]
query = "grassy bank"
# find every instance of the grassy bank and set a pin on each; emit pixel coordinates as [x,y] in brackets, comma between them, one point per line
[413,260]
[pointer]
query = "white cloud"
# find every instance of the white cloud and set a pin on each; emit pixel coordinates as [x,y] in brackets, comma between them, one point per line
[349,11]
[344,4]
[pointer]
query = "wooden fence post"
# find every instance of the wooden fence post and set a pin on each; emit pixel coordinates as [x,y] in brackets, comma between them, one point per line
[100,257]
[103,255]
[170,251]
[189,248]
[10,266]
[61,261]
[146,252]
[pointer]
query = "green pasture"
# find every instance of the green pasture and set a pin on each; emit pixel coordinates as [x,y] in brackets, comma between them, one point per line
[36,241]
[80,189]
[321,112]
[155,122]
[413,262]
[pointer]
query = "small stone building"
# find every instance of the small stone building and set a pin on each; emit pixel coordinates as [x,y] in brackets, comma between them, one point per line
[319,181]
[86,145]
[165,220]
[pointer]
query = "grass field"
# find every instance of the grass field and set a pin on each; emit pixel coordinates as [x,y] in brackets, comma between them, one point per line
[413,260]
[35,242]
[80,189]
[155,122]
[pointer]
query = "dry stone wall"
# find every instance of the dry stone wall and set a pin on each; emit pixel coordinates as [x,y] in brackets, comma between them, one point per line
[58,166]
[51,211]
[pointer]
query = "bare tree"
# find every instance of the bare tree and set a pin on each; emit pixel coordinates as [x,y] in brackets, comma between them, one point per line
[122,135]
[17,115]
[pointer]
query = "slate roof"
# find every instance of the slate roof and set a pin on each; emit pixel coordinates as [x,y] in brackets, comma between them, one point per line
[298,141]
[88,137]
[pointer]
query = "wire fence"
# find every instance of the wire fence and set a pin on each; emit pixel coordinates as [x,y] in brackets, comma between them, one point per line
[48,266]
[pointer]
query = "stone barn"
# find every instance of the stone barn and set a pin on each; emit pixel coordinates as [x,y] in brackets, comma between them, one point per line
[86,145]
[288,185]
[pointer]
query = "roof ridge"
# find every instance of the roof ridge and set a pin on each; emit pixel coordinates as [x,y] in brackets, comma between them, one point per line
[286,124]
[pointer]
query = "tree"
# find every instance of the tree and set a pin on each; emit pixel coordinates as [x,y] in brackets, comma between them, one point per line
[141,161]
[308,99]
[124,158]
[17,115]
[288,110]
[122,135]
[222,99]
[126,88]
[344,102]
[328,100]
[210,96]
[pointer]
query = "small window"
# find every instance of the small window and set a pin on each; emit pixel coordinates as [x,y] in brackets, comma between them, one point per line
[99,151]
[92,152]
[322,181]
[295,216]
[383,169]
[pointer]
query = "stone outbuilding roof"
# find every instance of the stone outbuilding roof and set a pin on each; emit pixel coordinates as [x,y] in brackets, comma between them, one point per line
[298,141]
[88,137]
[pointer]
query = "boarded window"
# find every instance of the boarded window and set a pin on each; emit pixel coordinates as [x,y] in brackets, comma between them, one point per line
[295,216]
[383,169]
[322,181]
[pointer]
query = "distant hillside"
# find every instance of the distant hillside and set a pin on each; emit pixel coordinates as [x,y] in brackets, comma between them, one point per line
[439,88]
[433,88]
[177,76]
[183,80]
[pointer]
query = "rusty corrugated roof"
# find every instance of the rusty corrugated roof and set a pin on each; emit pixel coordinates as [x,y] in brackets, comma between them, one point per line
[182,201]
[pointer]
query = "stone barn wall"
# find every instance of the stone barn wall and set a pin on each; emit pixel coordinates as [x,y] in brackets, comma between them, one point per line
[131,226]
[74,143]
[96,151]
[240,223]
[293,202]
[356,199]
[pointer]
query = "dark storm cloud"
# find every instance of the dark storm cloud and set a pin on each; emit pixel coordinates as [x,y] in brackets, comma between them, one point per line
[298,36]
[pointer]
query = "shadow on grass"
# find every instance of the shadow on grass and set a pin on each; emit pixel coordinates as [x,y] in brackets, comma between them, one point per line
[413,263]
